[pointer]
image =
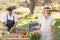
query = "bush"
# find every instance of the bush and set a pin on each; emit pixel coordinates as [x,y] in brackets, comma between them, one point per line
[35,36]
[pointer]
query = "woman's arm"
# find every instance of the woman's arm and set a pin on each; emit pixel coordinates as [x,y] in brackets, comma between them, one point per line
[52,32]
[53,24]
[15,24]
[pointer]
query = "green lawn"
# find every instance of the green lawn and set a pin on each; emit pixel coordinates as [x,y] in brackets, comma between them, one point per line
[57,30]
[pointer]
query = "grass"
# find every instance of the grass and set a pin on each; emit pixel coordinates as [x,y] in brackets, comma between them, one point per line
[57,30]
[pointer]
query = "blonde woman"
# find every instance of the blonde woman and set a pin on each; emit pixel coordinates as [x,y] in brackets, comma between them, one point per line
[47,23]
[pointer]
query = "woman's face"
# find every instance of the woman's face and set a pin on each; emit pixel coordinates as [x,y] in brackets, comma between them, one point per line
[10,12]
[46,12]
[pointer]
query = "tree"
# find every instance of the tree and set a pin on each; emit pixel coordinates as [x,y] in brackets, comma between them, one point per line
[31,5]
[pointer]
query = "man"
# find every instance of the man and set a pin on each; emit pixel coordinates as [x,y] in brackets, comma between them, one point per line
[9,20]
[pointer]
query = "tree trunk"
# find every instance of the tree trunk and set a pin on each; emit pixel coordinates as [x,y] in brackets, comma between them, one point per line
[32,6]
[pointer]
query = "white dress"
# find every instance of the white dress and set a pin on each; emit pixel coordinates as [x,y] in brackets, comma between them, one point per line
[46,25]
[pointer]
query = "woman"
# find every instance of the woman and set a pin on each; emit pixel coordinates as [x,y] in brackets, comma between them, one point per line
[47,23]
[9,20]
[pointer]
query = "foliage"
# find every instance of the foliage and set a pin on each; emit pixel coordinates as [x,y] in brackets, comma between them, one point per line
[35,36]
[6,32]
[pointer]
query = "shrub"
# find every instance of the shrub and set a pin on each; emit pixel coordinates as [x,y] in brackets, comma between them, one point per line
[34,36]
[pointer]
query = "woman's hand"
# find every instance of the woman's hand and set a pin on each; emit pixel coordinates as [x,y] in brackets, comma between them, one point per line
[12,29]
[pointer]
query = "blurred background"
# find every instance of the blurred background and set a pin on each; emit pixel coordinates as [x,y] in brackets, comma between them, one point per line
[29,11]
